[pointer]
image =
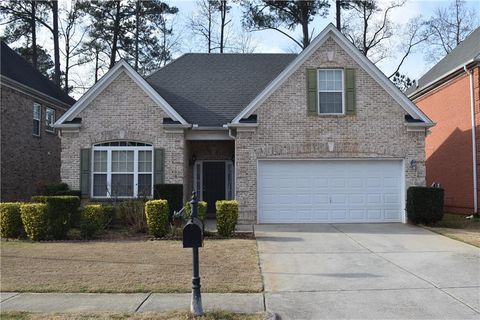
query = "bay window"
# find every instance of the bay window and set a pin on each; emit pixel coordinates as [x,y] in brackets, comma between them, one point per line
[122,170]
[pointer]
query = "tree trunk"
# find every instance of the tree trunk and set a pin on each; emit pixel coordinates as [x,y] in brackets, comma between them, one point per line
[67,63]
[304,23]
[56,47]
[33,26]
[116,31]
[223,15]
[137,25]
[97,53]
[209,40]
[365,28]
[338,14]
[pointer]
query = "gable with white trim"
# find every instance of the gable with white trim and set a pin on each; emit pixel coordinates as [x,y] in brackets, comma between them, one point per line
[330,32]
[120,68]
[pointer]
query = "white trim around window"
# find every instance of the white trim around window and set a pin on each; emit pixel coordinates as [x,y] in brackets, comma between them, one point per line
[37,116]
[328,78]
[120,171]
[49,119]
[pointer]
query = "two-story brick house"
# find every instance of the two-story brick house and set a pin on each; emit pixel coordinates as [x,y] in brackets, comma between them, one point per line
[30,146]
[322,136]
[449,93]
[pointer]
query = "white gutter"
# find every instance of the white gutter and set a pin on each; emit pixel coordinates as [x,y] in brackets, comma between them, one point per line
[474,144]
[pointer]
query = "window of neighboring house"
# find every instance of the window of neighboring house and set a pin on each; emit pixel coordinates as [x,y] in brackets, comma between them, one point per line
[122,171]
[49,119]
[330,91]
[37,114]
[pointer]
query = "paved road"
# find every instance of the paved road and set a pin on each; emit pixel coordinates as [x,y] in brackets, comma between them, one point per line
[367,271]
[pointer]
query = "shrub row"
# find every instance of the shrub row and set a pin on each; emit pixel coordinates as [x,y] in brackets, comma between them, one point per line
[95,219]
[157,214]
[10,219]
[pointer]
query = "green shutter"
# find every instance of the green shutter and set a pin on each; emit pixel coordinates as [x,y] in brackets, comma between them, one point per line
[159,168]
[312,92]
[85,167]
[350,107]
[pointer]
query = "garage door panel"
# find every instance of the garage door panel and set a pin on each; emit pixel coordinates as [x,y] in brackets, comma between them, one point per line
[329,191]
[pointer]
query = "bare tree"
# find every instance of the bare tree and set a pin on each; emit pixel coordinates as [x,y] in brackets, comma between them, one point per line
[448,27]
[73,32]
[369,27]
[202,22]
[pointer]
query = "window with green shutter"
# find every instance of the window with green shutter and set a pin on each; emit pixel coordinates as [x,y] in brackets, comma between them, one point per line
[85,171]
[350,103]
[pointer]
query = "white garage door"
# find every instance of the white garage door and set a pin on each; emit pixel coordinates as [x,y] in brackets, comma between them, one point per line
[291,191]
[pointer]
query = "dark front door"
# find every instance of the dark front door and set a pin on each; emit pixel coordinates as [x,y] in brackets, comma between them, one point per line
[213,184]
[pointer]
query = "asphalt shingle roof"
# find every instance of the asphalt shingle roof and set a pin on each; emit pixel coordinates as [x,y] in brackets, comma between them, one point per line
[466,51]
[212,89]
[13,66]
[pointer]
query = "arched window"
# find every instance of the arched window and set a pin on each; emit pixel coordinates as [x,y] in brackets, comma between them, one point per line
[122,169]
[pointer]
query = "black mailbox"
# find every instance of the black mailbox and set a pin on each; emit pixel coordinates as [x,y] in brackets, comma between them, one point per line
[193,234]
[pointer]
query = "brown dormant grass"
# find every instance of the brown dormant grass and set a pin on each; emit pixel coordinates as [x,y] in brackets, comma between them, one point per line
[128,266]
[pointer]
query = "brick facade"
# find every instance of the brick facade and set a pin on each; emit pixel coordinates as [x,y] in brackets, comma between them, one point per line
[26,160]
[449,146]
[285,131]
[122,111]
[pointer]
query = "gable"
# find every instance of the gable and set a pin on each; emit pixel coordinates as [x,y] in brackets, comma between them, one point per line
[330,32]
[120,68]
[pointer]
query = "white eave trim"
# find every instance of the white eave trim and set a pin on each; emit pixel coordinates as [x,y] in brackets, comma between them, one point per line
[243,125]
[112,74]
[67,125]
[367,65]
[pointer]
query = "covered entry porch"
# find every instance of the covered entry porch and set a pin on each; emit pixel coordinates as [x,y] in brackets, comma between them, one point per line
[210,171]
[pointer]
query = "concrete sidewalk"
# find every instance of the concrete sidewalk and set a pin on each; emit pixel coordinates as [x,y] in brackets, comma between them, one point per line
[127,302]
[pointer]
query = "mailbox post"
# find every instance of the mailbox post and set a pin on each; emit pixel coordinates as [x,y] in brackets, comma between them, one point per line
[193,238]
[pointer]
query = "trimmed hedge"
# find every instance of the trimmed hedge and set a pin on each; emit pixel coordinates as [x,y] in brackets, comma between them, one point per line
[53,188]
[96,214]
[34,219]
[227,215]
[76,193]
[425,205]
[202,210]
[62,213]
[173,193]
[10,219]
[156,212]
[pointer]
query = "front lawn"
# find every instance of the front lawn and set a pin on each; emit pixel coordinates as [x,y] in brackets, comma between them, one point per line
[229,265]
[215,315]
[458,227]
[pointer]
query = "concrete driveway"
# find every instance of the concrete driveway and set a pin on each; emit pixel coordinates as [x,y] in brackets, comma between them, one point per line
[367,271]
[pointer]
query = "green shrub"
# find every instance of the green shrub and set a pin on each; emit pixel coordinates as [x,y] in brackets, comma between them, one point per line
[96,213]
[110,214]
[51,189]
[10,220]
[76,193]
[34,219]
[62,213]
[173,193]
[227,215]
[202,210]
[425,205]
[88,228]
[156,212]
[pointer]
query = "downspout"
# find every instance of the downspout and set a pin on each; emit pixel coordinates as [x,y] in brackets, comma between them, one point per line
[474,145]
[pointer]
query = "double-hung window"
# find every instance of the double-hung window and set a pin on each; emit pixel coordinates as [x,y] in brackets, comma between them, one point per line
[122,170]
[37,115]
[330,91]
[49,119]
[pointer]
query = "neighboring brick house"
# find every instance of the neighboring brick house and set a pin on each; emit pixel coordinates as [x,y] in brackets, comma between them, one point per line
[30,146]
[449,94]
[322,136]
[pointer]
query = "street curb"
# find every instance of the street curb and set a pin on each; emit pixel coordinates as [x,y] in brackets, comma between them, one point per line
[270,316]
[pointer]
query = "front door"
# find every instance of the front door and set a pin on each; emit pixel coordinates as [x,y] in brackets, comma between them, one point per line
[213,184]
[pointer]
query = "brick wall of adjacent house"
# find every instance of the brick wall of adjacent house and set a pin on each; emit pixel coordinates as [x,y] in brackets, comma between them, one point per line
[449,146]
[26,160]
[285,131]
[122,111]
